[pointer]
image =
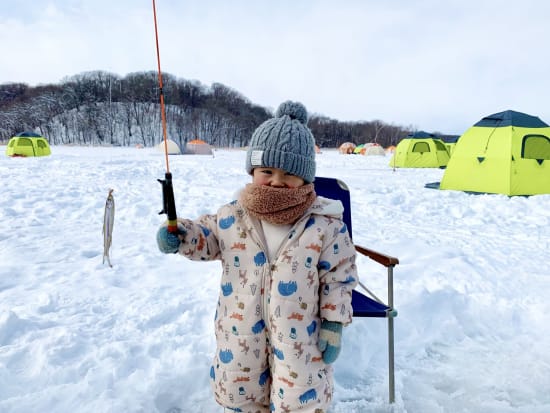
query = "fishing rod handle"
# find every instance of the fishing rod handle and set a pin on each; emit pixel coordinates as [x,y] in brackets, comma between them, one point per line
[169,204]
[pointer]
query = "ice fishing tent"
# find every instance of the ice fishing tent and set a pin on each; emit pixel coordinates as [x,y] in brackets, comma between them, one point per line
[173,148]
[420,150]
[504,153]
[450,143]
[370,149]
[28,144]
[198,147]
[357,150]
[346,148]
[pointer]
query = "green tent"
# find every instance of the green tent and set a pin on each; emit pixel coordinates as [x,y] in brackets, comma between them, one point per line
[358,148]
[504,153]
[450,143]
[420,150]
[28,144]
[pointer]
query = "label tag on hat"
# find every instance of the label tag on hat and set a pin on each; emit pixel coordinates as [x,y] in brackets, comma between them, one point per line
[256,158]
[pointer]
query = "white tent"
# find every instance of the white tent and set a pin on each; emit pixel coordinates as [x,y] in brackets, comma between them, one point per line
[173,148]
[373,149]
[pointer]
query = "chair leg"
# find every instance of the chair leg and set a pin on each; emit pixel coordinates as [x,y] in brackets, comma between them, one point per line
[391,357]
[391,367]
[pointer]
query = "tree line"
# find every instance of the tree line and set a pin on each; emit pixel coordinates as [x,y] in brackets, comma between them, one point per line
[101,108]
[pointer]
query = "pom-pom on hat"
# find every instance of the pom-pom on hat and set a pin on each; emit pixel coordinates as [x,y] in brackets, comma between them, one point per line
[284,142]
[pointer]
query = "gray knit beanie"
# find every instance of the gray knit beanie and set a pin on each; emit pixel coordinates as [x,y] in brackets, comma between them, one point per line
[284,142]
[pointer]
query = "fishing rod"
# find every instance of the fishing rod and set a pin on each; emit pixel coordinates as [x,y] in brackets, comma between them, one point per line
[168,202]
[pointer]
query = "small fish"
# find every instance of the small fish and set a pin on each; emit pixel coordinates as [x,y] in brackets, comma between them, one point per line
[108,222]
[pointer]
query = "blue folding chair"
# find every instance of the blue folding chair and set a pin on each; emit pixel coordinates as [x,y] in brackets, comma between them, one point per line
[366,304]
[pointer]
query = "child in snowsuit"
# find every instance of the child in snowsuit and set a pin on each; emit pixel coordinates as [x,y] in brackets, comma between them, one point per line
[288,272]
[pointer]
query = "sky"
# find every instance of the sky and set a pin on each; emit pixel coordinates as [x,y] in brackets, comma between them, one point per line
[76,335]
[426,64]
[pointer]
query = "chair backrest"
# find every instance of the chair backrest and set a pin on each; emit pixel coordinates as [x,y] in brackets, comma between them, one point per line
[363,305]
[335,189]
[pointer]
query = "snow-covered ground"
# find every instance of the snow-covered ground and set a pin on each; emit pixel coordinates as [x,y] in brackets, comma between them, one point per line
[472,288]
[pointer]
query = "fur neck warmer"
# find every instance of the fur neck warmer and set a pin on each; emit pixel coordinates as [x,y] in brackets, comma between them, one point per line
[277,205]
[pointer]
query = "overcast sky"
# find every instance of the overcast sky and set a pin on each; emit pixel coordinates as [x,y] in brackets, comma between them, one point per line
[438,66]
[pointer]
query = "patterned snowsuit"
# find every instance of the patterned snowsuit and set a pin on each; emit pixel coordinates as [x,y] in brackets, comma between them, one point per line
[269,313]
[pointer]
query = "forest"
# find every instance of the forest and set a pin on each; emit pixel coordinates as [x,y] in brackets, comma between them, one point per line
[101,108]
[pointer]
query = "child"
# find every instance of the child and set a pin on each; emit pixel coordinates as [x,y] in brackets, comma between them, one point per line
[288,272]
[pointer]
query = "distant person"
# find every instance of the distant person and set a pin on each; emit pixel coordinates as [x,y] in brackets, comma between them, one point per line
[288,272]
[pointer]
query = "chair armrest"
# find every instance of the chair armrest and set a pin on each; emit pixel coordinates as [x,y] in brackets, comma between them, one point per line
[385,260]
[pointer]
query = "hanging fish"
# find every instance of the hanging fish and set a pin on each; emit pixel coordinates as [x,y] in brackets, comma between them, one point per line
[108,222]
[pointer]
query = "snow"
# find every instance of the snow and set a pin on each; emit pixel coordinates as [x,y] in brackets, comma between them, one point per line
[76,335]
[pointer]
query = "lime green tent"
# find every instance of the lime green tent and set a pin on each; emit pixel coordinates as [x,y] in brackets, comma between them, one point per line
[28,144]
[504,153]
[450,146]
[420,150]
[450,143]
[358,148]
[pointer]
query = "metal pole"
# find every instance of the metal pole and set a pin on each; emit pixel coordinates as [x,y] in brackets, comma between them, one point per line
[391,367]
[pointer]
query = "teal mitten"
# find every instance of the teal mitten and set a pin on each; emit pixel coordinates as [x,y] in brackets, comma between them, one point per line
[330,338]
[167,242]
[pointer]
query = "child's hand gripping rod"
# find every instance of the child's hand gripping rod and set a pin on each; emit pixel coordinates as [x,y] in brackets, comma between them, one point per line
[168,203]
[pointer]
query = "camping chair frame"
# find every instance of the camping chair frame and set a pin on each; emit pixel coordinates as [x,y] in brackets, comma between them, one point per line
[366,304]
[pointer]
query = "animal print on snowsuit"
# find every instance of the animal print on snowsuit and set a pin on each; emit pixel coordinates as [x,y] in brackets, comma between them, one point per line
[269,313]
